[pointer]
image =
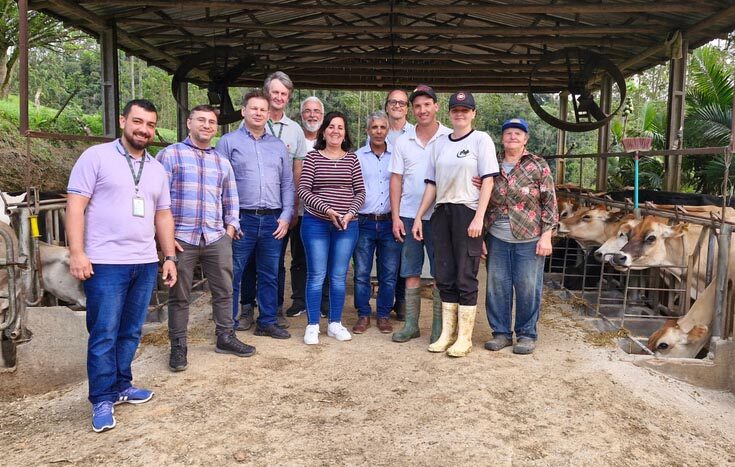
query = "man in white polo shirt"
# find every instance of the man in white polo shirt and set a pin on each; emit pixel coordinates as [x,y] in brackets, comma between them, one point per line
[408,167]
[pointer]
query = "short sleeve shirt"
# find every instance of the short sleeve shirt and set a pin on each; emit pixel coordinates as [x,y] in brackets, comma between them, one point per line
[410,160]
[453,163]
[112,235]
[291,134]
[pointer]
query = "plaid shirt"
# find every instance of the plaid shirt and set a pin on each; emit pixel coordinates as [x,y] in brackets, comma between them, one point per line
[203,192]
[526,195]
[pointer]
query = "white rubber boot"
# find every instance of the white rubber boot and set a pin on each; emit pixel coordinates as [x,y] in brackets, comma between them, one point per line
[449,328]
[466,319]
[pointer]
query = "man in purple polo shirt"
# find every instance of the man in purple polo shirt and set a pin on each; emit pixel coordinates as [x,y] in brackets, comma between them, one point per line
[264,177]
[118,204]
[205,208]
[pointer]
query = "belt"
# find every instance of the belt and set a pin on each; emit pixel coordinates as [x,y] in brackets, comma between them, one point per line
[261,212]
[375,217]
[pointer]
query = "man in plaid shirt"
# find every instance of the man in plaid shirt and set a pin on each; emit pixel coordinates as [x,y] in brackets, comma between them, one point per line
[205,207]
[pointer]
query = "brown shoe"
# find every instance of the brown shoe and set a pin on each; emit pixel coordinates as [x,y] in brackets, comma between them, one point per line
[363,322]
[384,325]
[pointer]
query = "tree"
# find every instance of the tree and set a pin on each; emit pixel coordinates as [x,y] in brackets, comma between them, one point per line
[43,32]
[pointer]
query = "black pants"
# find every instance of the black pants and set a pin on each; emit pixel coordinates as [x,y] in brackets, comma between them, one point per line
[456,255]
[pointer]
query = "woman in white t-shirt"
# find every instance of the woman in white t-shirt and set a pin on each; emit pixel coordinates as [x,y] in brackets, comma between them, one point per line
[457,222]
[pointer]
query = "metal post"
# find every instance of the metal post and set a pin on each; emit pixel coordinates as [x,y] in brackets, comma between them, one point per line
[110,82]
[561,138]
[675,118]
[723,254]
[603,134]
[182,97]
[23,72]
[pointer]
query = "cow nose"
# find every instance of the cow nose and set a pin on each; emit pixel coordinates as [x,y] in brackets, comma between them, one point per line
[619,258]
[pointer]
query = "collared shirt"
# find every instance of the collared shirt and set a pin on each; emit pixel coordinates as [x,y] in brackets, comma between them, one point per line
[526,195]
[291,134]
[376,176]
[263,171]
[411,160]
[394,134]
[203,192]
[112,235]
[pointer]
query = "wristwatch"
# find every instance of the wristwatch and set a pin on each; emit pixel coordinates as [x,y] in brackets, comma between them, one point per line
[170,258]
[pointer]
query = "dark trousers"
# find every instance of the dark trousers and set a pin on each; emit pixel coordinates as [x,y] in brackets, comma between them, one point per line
[216,261]
[298,266]
[457,258]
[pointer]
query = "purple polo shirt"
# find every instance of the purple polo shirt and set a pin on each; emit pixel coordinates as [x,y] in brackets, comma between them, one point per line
[112,235]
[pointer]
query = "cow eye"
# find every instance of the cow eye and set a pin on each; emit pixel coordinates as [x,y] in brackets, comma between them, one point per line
[586,218]
[651,239]
[662,346]
[564,214]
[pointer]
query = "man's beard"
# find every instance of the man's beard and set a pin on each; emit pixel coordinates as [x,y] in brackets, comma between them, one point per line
[312,127]
[133,144]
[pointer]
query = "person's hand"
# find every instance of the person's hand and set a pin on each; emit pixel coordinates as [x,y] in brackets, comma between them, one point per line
[178,246]
[418,230]
[475,228]
[281,230]
[334,217]
[483,255]
[346,219]
[543,246]
[477,182]
[80,266]
[399,231]
[169,273]
[231,232]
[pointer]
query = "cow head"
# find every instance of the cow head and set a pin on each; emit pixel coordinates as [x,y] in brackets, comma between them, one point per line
[566,207]
[672,341]
[648,245]
[613,244]
[589,224]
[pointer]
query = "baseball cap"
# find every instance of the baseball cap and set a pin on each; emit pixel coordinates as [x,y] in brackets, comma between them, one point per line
[422,90]
[462,99]
[519,123]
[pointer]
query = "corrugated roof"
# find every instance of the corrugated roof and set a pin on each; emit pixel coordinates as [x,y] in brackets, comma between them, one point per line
[479,45]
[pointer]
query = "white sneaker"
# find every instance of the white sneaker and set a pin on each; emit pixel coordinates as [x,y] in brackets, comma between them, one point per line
[338,331]
[311,334]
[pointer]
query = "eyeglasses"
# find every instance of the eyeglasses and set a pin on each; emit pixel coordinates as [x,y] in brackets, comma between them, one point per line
[312,112]
[395,103]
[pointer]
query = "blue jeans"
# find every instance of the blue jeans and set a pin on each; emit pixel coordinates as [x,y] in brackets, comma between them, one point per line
[513,267]
[249,288]
[117,304]
[257,234]
[412,254]
[376,237]
[328,252]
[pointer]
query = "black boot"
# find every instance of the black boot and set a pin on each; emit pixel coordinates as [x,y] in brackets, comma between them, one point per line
[177,358]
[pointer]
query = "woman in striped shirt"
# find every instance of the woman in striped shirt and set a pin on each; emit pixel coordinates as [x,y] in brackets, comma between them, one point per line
[332,189]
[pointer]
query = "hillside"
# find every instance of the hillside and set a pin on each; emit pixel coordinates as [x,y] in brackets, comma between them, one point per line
[49,162]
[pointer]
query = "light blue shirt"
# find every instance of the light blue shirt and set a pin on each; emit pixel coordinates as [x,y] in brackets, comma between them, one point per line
[394,134]
[263,171]
[376,175]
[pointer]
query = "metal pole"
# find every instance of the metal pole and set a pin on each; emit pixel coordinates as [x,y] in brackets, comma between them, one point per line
[23,72]
[721,293]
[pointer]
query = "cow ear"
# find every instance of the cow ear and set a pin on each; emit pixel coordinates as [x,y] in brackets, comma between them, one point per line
[697,333]
[677,230]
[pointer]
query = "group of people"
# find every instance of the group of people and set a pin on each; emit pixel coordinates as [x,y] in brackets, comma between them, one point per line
[410,193]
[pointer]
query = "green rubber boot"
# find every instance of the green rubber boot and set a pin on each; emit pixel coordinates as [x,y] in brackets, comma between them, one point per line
[411,326]
[436,321]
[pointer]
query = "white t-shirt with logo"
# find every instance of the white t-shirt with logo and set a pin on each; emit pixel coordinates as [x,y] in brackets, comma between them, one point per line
[453,163]
[411,159]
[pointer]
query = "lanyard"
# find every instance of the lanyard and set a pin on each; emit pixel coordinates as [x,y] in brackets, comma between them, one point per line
[136,178]
[273,132]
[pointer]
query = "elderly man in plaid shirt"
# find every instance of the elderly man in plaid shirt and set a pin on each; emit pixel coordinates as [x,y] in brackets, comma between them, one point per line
[205,207]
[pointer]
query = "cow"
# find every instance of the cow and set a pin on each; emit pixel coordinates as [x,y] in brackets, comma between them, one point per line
[591,226]
[5,201]
[687,336]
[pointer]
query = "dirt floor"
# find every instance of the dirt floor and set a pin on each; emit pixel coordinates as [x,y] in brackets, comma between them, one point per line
[373,402]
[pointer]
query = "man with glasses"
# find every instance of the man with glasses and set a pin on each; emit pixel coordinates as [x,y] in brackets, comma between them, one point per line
[396,106]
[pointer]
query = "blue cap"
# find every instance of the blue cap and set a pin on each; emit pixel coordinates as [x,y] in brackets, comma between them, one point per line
[519,123]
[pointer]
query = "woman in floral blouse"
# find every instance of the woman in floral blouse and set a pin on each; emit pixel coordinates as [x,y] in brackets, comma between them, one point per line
[522,215]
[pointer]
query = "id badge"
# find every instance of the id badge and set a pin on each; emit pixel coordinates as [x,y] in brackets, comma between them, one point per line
[138,206]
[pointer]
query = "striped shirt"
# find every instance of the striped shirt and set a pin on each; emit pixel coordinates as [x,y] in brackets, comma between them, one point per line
[203,192]
[331,183]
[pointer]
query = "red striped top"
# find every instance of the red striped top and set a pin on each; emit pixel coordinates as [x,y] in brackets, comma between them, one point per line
[331,183]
